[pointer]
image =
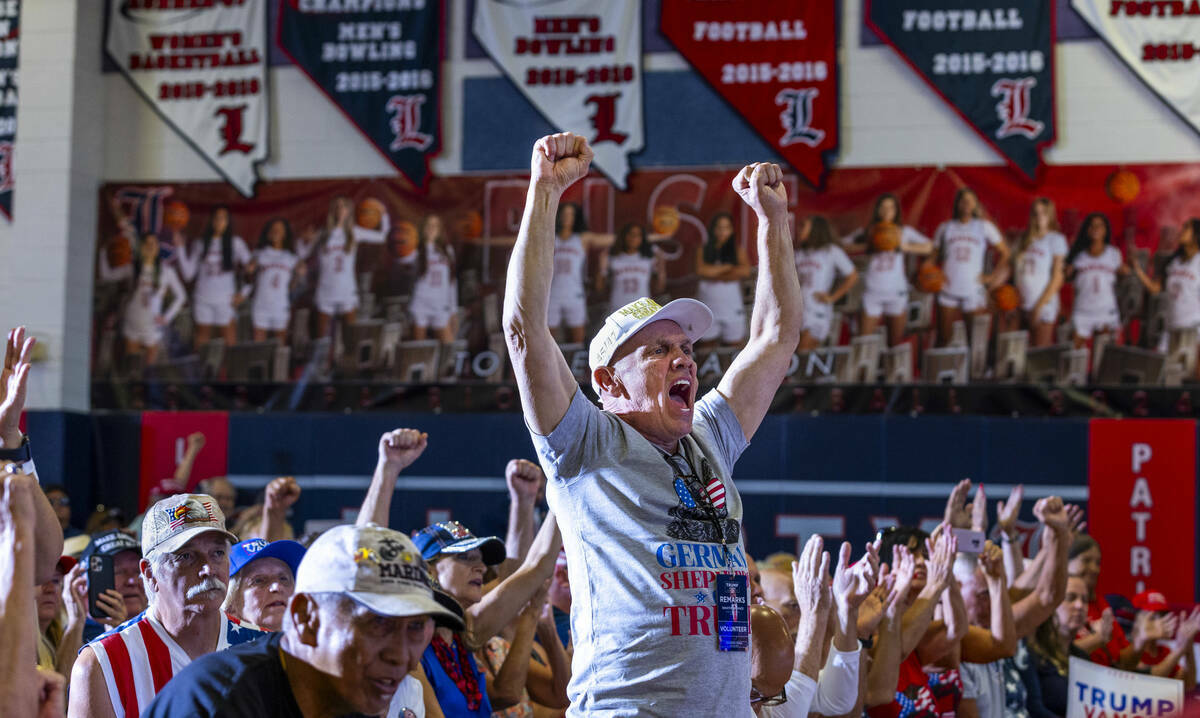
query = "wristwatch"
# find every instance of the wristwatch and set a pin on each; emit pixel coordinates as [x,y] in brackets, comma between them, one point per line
[20,454]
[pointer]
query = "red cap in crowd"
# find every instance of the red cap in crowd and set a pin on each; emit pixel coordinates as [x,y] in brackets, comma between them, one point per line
[1150,600]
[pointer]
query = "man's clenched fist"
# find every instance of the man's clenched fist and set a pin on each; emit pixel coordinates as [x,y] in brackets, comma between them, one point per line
[524,478]
[559,160]
[282,493]
[760,185]
[399,448]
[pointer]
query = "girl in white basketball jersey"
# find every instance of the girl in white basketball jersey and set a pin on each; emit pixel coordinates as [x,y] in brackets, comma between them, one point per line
[722,264]
[1094,265]
[1182,281]
[568,299]
[819,260]
[963,243]
[885,284]
[637,269]
[213,262]
[434,302]
[1039,271]
[337,289]
[145,316]
[275,266]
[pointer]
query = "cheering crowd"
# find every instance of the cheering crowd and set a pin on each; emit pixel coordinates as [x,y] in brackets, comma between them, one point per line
[633,594]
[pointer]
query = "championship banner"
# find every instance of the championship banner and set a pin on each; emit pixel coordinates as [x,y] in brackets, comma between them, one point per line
[994,66]
[579,63]
[380,64]
[776,63]
[1142,507]
[202,67]
[165,444]
[1096,691]
[10,31]
[1159,41]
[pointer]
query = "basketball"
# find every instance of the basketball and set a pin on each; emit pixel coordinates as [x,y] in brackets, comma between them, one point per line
[930,279]
[369,214]
[1123,186]
[120,251]
[176,215]
[885,236]
[471,226]
[666,220]
[1006,298]
[405,235]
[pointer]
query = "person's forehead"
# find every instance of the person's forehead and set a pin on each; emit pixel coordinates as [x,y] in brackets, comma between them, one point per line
[657,332]
[266,564]
[775,581]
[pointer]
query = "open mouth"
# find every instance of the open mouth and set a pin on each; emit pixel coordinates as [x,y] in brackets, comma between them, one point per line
[681,393]
[386,686]
[476,582]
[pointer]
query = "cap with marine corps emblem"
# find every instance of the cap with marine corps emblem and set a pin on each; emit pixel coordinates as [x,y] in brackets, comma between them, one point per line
[377,567]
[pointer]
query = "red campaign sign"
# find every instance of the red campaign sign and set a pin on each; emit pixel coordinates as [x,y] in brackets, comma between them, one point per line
[776,63]
[1142,505]
[164,441]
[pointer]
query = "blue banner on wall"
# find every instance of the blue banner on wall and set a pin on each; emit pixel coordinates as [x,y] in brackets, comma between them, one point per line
[381,69]
[994,66]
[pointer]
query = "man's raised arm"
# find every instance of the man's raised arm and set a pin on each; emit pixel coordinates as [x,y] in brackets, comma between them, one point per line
[543,377]
[756,373]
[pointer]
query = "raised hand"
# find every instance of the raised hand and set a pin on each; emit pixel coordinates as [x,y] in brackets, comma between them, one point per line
[195,442]
[852,584]
[901,580]
[941,561]
[1189,626]
[1008,511]
[991,560]
[14,378]
[810,578]
[956,514]
[399,448]
[978,509]
[112,604]
[74,595]
[282,493]
[1075,523]
[1103,626]
[560,160]
[1051,512]
[525,479]
[760,185]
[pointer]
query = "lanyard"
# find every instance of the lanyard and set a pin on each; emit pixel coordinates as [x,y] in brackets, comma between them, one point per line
[697,485]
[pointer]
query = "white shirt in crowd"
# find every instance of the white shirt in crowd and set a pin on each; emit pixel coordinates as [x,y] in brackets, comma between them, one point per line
[833,693]
[817,269]
[964,248]
[336,278]
[1183,292]
[214,284]
[273,279]
[631,274]
[570,259]
[1035,265]
[885,270]
[1095,281]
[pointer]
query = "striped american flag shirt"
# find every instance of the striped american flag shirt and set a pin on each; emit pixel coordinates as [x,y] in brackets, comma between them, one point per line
[139,657]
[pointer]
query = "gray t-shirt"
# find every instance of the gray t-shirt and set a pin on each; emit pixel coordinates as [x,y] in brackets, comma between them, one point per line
[642,559]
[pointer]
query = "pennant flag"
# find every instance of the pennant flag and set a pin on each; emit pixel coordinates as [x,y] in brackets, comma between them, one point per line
[579,62]
[1159,41]
[202,67]
[776,63]
[10,31]
[993,65]
[380,64]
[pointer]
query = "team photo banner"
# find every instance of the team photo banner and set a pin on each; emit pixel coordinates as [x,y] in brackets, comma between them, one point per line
[381,67]
[1096,691]
[10,30]
[993,65]
[1159,41]
[579,62]
[776,63]
[203,69]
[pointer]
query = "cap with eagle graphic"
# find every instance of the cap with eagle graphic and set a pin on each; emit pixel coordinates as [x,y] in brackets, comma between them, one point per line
[172,522]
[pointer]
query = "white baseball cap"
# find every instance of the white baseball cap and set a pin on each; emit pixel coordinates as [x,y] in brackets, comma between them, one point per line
[175,520]
[378,567]
[693,317]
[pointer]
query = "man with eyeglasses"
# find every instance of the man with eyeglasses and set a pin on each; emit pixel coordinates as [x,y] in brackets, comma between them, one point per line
[650,519]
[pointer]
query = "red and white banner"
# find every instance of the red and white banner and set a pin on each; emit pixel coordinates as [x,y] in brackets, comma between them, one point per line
[165,441]
[1098,691]
[579,62]
[776,63]
[1159,41]
[1142,505]
[203,68]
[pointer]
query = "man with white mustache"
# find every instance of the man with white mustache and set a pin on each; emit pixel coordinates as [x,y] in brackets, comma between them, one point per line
[185,569]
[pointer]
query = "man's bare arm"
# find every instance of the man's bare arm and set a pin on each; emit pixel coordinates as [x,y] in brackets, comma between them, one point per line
[88,697]
[502,604]
[756,373]
[543,377]
[397,450]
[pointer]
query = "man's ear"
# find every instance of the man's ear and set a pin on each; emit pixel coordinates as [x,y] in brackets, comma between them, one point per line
[305,616]
[606,379]
[144,569]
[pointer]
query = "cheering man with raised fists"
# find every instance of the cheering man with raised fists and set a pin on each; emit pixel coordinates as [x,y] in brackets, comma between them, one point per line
[641,485]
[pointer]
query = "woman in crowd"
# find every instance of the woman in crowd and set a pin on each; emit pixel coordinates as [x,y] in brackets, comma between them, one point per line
[61,612]
[885,295]
[1102,639]
[568,298]
[1094,265]
[337,290]
[213,262]
[145,317]
[434,302]
[722,264]
[1182,282]
[1050,647]
[262,577]
[631,269]
[275,266]
[819,261]
[963,242]
[521,672]
[1039,268]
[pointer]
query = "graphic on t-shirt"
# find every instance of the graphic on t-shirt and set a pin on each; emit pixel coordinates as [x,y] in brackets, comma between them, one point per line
[698,514]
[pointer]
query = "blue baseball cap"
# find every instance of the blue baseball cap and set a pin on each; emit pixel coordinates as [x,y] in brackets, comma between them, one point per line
[290,552]
[452,537]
